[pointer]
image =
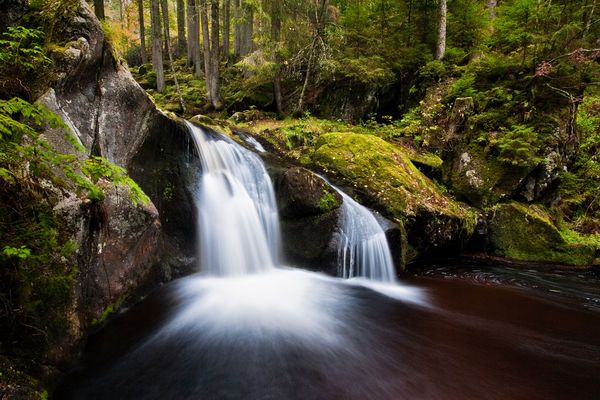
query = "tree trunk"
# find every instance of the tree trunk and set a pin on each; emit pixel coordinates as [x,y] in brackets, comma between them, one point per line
[180,27]
[157,61]
[121,18]
[214,55]
[192,31]
[236,27]
[590,16]
[246,29]
[99,9]
[206,46]
[307,76]
[244,22]
[441,42]
[226,25]
[143,54]
[164,5]
[490,5]
[276,38]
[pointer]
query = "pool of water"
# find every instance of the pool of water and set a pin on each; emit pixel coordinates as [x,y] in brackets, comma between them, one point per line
[447,332]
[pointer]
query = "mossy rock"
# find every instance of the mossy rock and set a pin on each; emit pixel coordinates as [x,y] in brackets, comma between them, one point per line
[526,233]
[385,172]
[481,178]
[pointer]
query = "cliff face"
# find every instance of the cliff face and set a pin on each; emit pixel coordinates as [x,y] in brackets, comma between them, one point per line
[124,247]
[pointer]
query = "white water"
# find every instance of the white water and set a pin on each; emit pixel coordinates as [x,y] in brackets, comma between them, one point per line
[238,222]
[363,249]
[248,292]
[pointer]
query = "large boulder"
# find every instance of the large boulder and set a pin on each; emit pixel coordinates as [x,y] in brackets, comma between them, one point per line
[526,233]
[310,211]
[434,223]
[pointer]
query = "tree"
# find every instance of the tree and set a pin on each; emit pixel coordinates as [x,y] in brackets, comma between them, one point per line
[276,39]
[181,43]
[210,46]
[244,27]
[143,54]
[193,43]
[165,9]
[99,9]
[226,26]
[440,49]
[157,55]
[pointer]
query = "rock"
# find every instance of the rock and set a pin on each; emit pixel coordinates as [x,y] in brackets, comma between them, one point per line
[434,223]
[348,100]
[462,108]
[300,193]
[480,178]
[526,233]
[540,183]
[309,211]
[166,167]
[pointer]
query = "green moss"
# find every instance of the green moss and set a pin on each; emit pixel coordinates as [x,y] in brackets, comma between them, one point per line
[385,170]
[527,233]
[328,202]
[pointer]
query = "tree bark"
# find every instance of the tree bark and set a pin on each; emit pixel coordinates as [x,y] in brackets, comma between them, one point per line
[244,23]
[181,45]
[99,9]
[205,44]
[246,30]
[490,5]
[192,31]
[210,47]
[157,61]
[215,96]
[143,54]
[276,39]
[164,5]
[226,25]
[440,50]
[590,17]
[121,18]
[236,27]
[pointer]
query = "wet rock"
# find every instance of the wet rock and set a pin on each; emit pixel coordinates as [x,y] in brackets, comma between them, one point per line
[309,209]
[301,193]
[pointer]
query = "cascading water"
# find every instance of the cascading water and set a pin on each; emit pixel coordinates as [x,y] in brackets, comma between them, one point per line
[238,221]
[363,250]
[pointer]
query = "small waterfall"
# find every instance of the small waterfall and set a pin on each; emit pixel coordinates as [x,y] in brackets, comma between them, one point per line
[238,221]
[363,250]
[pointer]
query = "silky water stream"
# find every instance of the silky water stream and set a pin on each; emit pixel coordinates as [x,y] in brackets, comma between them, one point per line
[247,327]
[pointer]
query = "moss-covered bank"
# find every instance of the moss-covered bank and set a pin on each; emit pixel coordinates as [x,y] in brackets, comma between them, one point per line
[526,233]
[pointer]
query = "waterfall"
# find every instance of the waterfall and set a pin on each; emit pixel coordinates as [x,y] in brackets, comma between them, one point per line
[238,220]
[239,225]
[363,250]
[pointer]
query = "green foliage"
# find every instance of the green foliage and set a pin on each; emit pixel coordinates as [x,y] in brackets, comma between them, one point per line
[21,252]
[518,146]
[327,202]
[433,71]
[463,87]
[23,60]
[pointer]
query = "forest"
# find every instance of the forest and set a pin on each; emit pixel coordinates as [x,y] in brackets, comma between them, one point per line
[299,199]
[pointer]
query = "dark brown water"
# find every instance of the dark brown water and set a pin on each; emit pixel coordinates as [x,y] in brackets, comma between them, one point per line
[480,334]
